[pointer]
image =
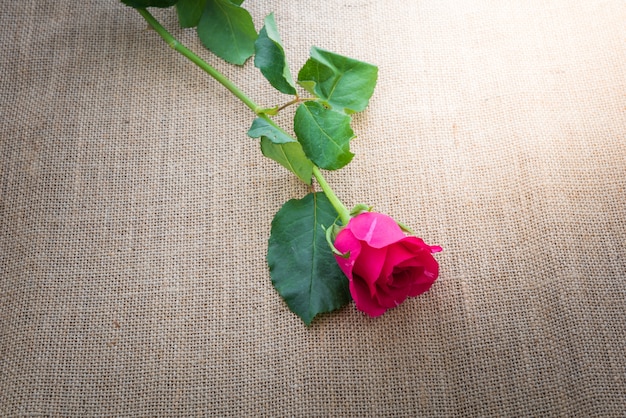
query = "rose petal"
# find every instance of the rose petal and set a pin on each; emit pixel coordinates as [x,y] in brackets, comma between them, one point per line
[392,297]
[406,275]
[435,249]
[346,242]
[418,243]
[397,254]
[376,229]
[363,300]
[369,265]
[426,279]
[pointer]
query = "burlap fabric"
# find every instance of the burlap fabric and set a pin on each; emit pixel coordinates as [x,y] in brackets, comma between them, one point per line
[135,214]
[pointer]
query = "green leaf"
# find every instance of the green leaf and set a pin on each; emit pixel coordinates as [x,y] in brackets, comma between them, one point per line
[262,127]
[302,266]
[227,30]
[345,84]
[290,156]
[142,4]
[324,134]
[270,58]
[189,12]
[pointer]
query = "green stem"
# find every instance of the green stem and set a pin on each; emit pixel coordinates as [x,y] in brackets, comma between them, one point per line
[344,213]
[177,46]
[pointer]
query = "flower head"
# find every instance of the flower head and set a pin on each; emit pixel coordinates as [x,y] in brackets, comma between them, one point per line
[384,266]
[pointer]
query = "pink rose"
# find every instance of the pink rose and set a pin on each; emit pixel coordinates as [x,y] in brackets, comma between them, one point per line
[383,265]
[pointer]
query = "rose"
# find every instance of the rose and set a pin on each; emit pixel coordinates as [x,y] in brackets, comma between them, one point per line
[384,266]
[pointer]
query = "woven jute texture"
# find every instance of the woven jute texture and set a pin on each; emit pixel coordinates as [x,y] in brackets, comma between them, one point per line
[135,214]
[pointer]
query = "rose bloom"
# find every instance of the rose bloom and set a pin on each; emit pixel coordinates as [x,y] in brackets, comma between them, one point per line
[384,266]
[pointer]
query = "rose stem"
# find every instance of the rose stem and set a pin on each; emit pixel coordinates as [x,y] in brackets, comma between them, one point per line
[343,213]
[177,46]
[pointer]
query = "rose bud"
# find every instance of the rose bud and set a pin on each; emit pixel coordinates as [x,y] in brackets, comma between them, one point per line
[384,266]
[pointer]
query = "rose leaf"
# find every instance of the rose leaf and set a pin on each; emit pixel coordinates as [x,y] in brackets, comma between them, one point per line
[189,12]
[227,30]
[343,83]
[261,127]
[324,134]
[142,4]
[290,156]
[270,58]
[302,266]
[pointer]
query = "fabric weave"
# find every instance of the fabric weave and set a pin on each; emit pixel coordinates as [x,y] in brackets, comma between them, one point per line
[135,213]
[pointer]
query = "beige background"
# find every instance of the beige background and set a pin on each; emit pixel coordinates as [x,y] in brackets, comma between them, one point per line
[135,214]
